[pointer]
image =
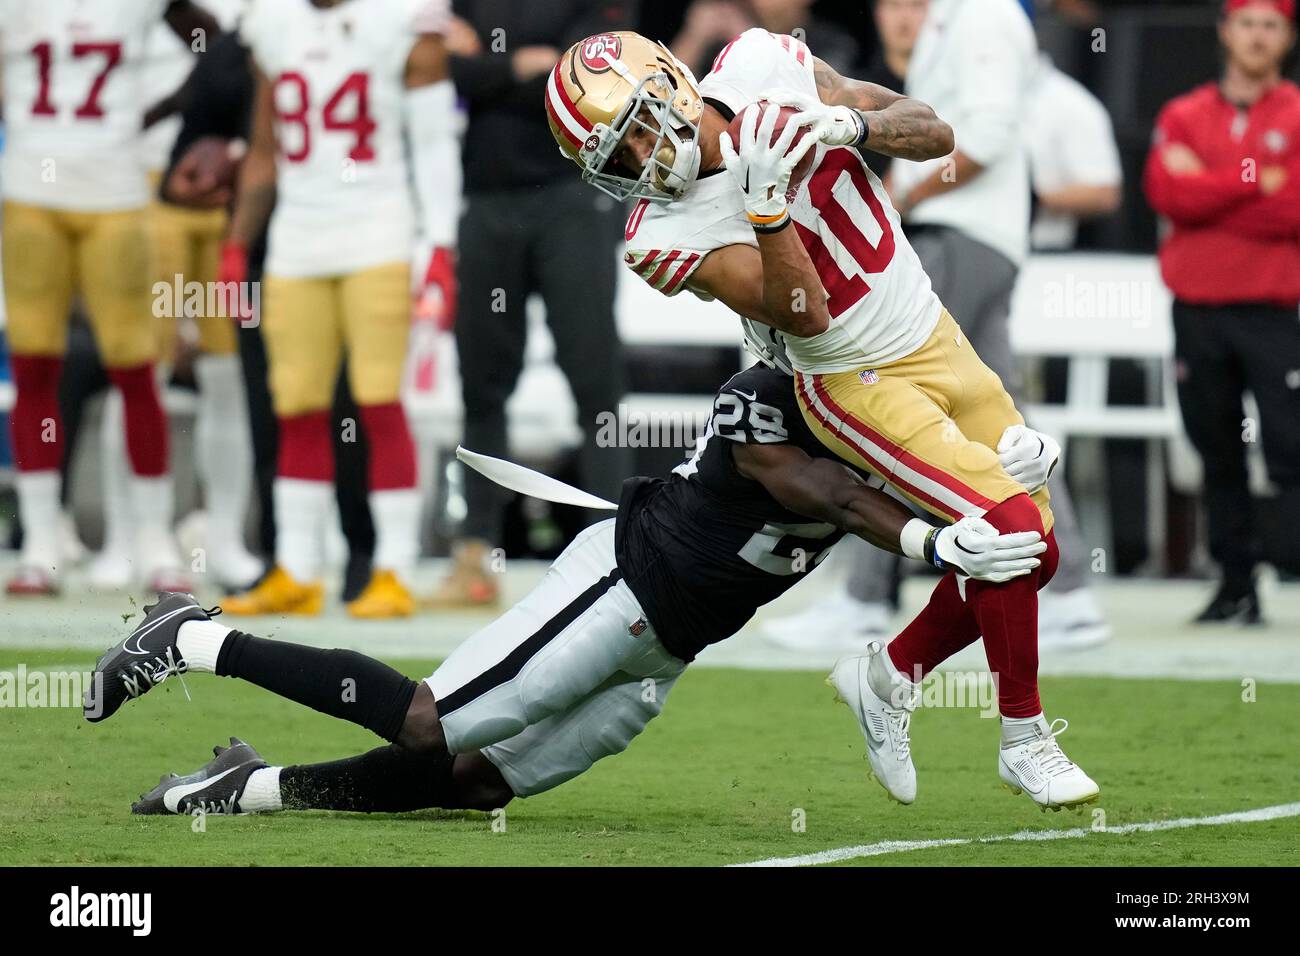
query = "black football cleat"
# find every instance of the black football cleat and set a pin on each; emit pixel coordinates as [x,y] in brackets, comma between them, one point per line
[216,787]
[1235,605]
[145,659]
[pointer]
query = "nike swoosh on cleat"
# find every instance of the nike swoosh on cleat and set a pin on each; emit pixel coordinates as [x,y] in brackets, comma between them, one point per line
[139,635]
[173,797]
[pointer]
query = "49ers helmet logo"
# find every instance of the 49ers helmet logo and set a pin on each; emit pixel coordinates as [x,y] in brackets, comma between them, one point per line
[595,49]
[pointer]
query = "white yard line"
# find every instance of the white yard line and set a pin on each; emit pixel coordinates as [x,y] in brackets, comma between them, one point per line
[904,846]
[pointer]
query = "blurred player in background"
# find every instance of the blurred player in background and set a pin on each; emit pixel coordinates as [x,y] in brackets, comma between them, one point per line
[76,189]
[186,244]
[1224,172]
[813,259]
[338,84]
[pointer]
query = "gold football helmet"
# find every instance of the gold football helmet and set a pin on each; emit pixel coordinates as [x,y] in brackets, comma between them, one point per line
[607,84]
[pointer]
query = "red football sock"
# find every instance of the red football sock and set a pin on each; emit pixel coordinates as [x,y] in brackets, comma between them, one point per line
[943,627]
[146,423]
[1008,617]
[306,451]
[947,624]
[392,450]
[35,422]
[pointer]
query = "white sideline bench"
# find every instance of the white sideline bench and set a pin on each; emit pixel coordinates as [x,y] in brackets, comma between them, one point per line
[1091,308]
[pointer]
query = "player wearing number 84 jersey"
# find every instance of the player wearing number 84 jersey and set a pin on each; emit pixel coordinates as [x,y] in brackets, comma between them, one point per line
[342,87]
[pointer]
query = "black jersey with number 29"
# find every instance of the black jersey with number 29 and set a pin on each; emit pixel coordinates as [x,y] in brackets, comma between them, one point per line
[706,548]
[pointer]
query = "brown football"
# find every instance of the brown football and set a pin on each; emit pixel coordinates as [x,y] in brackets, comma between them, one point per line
[213,160]
[805,164]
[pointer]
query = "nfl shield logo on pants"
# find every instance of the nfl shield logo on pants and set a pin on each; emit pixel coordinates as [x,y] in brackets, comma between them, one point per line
[869,377]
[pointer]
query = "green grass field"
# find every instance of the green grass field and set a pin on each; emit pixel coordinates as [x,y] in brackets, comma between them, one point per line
[718,779]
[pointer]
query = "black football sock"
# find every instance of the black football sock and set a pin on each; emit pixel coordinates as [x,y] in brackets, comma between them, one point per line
[386,780]
[343,684]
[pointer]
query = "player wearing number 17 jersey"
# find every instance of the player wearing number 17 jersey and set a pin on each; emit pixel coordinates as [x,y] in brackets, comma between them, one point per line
[338,86]
[75,192]
[800,239]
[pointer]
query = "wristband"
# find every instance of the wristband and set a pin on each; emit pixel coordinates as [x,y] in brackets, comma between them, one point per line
[931,554]
[864,131]
[914,538]
[766,225]
[918,541]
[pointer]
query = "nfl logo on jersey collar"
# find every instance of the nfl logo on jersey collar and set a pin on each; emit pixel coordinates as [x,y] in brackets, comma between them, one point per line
[869,376]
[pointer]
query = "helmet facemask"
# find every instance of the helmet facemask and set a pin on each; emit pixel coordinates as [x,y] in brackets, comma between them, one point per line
[673,161]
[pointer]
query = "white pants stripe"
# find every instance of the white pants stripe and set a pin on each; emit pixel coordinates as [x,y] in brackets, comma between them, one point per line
[567,676]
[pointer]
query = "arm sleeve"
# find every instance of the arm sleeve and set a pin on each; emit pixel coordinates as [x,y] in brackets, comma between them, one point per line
[1195,199]
[435,159]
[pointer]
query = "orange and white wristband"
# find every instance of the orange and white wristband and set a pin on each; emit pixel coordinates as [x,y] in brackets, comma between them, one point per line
[766,225]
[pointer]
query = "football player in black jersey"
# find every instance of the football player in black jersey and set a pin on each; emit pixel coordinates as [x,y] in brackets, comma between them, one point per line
[575,670]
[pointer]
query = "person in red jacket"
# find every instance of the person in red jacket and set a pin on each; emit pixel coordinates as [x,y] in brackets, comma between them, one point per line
[1224,172]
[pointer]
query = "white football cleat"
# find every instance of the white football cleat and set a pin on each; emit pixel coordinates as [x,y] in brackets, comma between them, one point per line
[838,624]
[884,723]
[1039,767]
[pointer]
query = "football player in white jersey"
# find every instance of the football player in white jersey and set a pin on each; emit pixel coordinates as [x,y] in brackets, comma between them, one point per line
[339,87]
[186,243]
[75,192]
[818,268]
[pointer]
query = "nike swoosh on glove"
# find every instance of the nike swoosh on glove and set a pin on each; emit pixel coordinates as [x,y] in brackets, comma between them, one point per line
[975,548]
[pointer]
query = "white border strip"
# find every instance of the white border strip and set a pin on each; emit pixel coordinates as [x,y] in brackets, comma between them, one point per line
[903,846]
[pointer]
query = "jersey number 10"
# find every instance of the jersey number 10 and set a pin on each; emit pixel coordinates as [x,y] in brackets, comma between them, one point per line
[843,291]
[356,87]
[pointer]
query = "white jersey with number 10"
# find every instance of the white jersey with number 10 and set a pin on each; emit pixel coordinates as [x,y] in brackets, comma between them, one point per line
[343,200]
[881,305]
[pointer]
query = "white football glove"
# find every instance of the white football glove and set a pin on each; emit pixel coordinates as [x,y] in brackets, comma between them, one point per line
[841,125]
[975,548]
[761,168]
[1028,456]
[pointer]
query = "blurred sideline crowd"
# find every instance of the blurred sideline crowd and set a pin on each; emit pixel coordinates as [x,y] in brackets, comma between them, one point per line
[298,420]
